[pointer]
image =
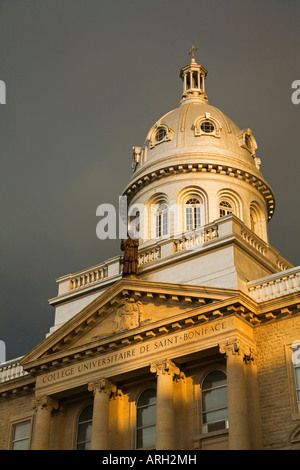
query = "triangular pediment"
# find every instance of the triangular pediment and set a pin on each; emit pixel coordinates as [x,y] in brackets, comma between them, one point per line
[123,312]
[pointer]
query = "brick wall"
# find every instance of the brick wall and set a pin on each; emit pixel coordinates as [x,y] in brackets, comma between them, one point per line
[13,409]
[275,383]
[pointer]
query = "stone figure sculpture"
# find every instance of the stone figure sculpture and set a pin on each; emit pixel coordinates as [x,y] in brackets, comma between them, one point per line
[130,257]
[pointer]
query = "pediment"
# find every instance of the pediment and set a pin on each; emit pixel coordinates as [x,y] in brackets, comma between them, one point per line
[124,311]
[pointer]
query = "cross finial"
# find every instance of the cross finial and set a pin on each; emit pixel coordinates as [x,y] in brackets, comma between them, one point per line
[192,51]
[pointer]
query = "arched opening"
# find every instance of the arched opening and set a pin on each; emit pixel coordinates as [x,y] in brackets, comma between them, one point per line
[162,220]
[225,208]
[146,419]
[258,221]
[192,213]
[214,401]
[84,428]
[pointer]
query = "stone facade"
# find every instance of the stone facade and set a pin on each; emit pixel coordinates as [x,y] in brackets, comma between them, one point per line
[191,331]
[199,350]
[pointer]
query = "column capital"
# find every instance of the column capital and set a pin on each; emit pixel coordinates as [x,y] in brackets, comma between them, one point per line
[236,346]
[45,402]
[103,386]
[164,367]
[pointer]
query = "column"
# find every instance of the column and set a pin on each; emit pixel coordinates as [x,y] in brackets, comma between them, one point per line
[100,429]
[165,371]
[185,85]
[253,402]
[44,407]
[239,438]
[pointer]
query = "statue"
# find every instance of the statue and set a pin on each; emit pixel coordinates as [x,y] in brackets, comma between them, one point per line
[130,258]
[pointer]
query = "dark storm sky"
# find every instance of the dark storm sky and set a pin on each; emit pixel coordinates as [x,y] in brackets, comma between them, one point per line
[86,79]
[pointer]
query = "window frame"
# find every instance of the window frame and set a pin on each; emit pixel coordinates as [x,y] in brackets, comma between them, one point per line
[207,126]
[207,118]
[138,428]
[205,425]
[162,220]
[13,428]
[82,422]
[292,386]
[196,214]
[296,366]
[224,208]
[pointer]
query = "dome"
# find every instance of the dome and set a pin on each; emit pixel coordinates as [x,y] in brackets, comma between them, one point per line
[196,152]
[200,133]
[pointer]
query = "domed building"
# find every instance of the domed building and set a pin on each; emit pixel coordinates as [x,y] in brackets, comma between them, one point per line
[189,340]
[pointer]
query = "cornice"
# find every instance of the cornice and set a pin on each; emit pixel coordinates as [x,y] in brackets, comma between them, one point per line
[239,305]
[124,287]
[255,181]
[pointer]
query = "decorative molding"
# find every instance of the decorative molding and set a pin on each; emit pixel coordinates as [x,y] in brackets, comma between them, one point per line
[169,132]
[236,346]
[207,117]
[45,402]
[129,315]
[259,184]
[102,386]
[165,367]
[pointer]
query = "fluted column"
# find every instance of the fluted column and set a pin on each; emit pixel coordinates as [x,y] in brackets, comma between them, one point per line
[165,371]
[100,428]
[44,407]
[239,438]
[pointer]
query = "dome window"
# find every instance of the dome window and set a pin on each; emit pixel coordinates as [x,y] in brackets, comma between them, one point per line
[207,127]
[160,134]
[248,141]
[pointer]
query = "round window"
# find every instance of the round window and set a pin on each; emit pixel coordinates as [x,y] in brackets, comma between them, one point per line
[160,134]
[207,127]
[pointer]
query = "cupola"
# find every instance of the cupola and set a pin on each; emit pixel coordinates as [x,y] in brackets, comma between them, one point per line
[193,80]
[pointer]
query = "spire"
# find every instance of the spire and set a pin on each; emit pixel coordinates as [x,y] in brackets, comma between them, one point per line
[193,79]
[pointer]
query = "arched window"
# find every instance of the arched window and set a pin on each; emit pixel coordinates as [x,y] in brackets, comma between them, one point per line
[192,214]
[146,419]
[258,221]
[225,208]
[162,220]
[214,401]
[84,428]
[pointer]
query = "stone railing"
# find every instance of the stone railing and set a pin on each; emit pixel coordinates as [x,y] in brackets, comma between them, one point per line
[88,276]
[276,285]
[149,254]
[11,370]
[195,238]
[161,250]
[254,241]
